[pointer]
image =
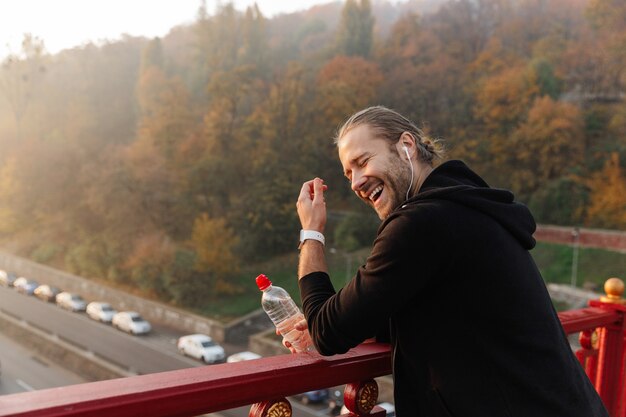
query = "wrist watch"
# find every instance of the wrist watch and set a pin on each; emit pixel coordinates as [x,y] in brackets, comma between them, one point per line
[310,234]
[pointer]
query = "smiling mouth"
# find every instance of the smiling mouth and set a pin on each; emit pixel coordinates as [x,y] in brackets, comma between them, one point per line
[376,193]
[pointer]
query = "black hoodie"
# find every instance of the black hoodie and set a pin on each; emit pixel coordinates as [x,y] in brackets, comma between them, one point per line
[451,284]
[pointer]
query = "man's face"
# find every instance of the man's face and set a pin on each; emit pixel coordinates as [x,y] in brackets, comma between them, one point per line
[377,174]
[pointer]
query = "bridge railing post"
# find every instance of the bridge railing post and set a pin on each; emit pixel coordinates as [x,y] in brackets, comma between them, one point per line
[610,378]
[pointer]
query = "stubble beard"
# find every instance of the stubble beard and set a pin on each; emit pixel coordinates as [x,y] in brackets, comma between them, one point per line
[397,181]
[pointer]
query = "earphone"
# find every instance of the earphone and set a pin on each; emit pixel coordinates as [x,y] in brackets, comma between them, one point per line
[406,151]
[408,157]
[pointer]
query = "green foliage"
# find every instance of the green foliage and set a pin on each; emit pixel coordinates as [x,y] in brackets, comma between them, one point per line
[547,80]
[355,32]
[186,287]
[45,253]
[594,265]
[88,258]
[356,230]
[559,202]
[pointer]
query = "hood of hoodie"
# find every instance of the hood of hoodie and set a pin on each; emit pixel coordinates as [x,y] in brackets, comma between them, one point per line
[454,181]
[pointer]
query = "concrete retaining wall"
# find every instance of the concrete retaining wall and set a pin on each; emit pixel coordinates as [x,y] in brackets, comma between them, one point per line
[81,362]
[240,330]
[151,310]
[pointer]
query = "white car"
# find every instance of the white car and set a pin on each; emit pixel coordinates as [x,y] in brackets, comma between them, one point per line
[6,279]
[243,356]
[25,286]
[71,301]
[131,322]
[201,346]
[100,311]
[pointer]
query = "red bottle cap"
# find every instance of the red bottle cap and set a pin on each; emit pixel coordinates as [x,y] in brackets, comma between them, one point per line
[263,282]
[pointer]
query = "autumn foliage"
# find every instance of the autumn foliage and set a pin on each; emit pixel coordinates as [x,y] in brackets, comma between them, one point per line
[170,164]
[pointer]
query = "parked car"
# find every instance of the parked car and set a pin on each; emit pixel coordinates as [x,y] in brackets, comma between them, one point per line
[100,311]
[25,285]
[242,356]
[201,346]
[335,400]
[71,301]
[47,292]
[6,278]
[389,408]
[131,322]
[314,397]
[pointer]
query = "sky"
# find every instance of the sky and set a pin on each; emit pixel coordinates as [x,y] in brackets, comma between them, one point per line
[63,24]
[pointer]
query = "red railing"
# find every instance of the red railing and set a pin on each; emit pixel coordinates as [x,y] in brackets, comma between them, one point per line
[265,382]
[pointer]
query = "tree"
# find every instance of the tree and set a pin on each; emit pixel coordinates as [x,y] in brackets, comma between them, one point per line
[165,114]
[9,188]
[21,76]
[609,18]
[347,84]
[214,244]
[607,197]
[356,231]
[355,33]
[166,118]
[561,201]
[149,262]
[545,146]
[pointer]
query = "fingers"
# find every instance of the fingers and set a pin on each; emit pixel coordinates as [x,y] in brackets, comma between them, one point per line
[306,191]
[311,188]
[318,190]
[301,325]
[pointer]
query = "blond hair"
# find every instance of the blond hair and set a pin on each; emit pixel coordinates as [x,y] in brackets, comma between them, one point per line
[390,125]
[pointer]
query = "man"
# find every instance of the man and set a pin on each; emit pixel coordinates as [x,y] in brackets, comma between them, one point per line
[449,282]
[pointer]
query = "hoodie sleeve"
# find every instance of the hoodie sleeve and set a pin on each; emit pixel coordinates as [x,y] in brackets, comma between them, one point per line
[388,281]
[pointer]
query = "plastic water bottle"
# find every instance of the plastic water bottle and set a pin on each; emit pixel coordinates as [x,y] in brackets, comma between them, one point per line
[284,313]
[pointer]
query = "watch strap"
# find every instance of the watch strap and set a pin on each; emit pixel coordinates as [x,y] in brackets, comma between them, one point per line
[311,234]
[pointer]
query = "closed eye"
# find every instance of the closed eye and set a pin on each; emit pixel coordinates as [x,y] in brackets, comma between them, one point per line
[362,162]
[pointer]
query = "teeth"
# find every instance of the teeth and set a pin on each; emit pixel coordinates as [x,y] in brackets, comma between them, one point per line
[376,191]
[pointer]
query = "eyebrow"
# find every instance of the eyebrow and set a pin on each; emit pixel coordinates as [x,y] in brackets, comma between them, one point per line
[356,160]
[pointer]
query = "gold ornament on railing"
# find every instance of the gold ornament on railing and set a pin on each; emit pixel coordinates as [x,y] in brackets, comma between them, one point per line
[276,408]
[281,409]
[614,289]
[361,397]
[589,339]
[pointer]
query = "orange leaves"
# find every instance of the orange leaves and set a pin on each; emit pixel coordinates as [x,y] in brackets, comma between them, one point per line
[607,206]
[547,144]
[347,84]
[504,98]
[165,112]
[214,244]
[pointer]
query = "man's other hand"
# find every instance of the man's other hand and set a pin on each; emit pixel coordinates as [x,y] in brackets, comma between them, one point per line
[311,205]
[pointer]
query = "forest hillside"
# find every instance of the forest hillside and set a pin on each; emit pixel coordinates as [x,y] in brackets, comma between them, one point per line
[169,164]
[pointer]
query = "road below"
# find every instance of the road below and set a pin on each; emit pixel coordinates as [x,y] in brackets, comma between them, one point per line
[155,352]
[24,370]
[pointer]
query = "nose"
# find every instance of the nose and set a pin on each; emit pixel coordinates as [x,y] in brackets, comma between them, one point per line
[358,181]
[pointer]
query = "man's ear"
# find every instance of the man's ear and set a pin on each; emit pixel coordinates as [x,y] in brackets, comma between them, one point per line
[406,145]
